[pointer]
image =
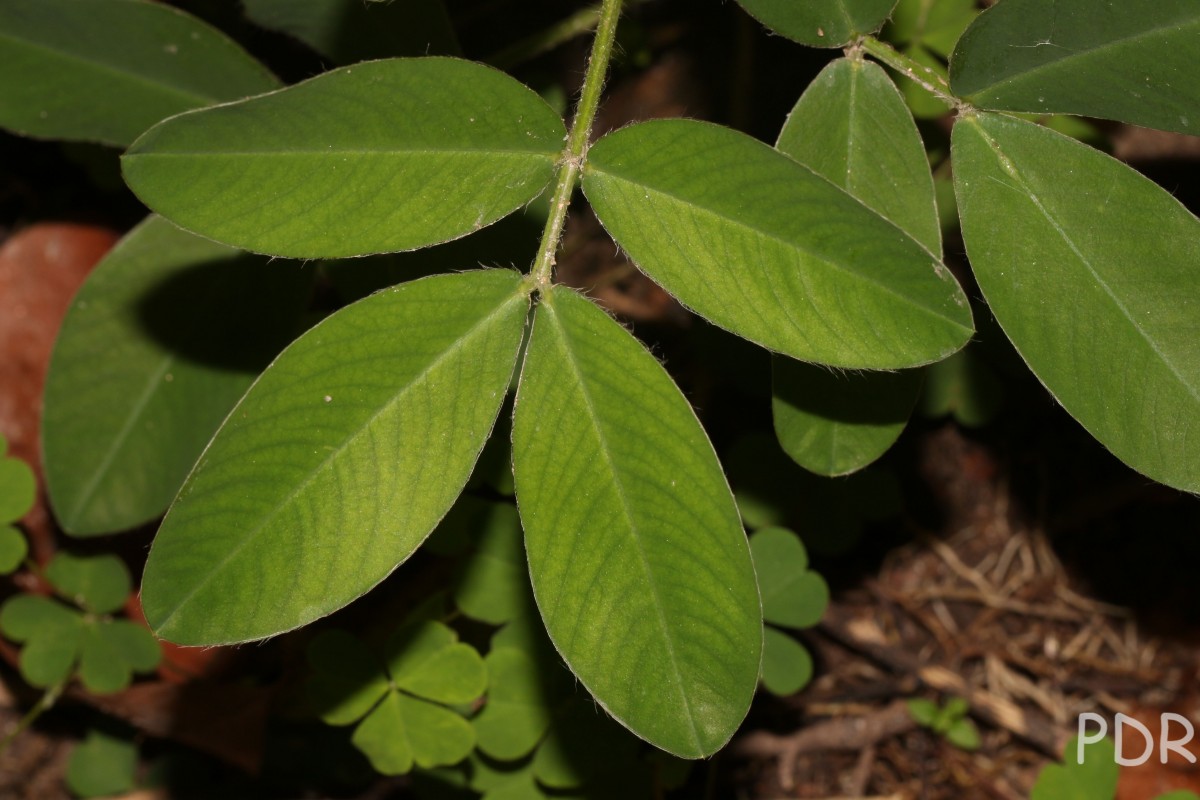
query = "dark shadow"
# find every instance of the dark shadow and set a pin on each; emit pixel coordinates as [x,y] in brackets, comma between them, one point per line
[234,313]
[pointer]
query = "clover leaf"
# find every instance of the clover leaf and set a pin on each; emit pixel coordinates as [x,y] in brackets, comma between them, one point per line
[99,584]
[18,489]
[395,697]
[13,549]
[792,596]
[538,736]
[949,721]
[101,766]
[1095,778]
[58,638]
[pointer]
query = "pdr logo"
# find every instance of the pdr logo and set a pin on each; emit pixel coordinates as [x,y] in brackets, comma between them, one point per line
[1174,731]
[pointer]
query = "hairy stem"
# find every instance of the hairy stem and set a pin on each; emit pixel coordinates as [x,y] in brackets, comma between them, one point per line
[44,704]
[543,41]
[577,141]
[919,74]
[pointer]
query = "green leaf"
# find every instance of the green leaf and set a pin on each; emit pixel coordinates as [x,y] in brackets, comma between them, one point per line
[106,70]
[963,733]
[923,103]
[956,708]
[438,735]
[828,23]
[769,250]
[101,669]
[338,462]
[936,24]
[851,127]
[100,584]
[835,423]
[348,679]
[111,651]
[351,31]
[792,595]
[101,766]
[24,616]
[1182,794]
[18,488]
[962,385]
[133,644]
[639,563]
[517,712]
[787,666]
[582,746]
[924,712]
[493,586]
[428,661]
[1133,62]
[1094,779]
[13,549]
[383,737]
[1099,292]
[379,157]
[179,326]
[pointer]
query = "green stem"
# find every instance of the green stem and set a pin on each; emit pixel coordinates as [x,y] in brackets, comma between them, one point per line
[561,32]
[577,141]
[919,74]
[43,705]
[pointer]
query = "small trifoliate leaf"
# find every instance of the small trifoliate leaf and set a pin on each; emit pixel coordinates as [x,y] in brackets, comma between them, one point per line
[100,584]
[101,766]
[24,616]
[493,586]
[18,488]
[13,549]
[49,656]
[101,667]
[792,595]
[517,713]
[1095,778]
[132,643]
[425,658]
[963,733]
[348,679]
[924,712]
[383,737]
[438,736]
[787,666]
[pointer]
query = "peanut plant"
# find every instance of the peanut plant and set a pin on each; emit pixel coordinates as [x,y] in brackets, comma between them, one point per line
[299,464]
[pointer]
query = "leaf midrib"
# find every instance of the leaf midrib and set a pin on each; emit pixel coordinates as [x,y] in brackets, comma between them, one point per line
[995,147]
[549,155]
[774,237]
[320,468]
[632,525]
[1077,54]
[118,442]
[193,98]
